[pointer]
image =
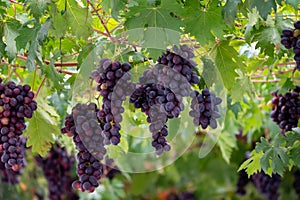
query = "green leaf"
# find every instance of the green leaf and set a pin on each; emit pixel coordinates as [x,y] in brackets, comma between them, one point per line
[37,7]
[10,33]
[28,34]
[275,157]
[115,6]
[57,20]
[204,24]
[295,154]
[288,85]
[229,11]
[153,25]
[293,3]
[264,7]
[227,61]
[52,74]
[267,38]
[79,19]
[43,33]
[227,142]
[252,165]
[235,107]
[242,86]
[40,131]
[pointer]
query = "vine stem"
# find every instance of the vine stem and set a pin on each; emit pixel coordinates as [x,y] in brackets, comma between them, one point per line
[40,87]
[264,81]
[101,20]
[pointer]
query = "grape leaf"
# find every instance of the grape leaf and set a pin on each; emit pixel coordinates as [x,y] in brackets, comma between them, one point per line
[28,34]
[115,6]
[229,11]
[204,24]
[267,38]
[40,130]
[154,25]
[10,33]
[252,165]
[264,7]
[227,61]
[37,7]
[234,107]
[293,3]
[227,142]
[79,19]
[57,20]
[275,157]
[242,85]
[295,154]
[287,85]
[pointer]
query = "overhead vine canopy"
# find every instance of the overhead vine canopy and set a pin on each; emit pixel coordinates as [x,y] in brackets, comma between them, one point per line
[235,70]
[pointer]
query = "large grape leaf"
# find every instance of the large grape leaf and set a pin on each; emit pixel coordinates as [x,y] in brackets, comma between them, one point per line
[11,31]
[41,128]
[230,11]
[79,19]
[227,61]
[154,25]
[264,7]
[204,24]
[293,3]
[275,157]
[114,6]
[37,7]
[57,20]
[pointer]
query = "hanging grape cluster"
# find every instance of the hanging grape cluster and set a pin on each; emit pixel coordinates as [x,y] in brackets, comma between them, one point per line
[267,185]
[83,126]
[290,38]
[296,183]
[57,168]
[16,104]
[108,75]
[204,108]
[243,180]
[286,109]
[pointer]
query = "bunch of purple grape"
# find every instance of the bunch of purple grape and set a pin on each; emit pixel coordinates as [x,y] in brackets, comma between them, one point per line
[16,104]
[205,109]
[107,76]
[296,183]
[291,39]
[83,126]
[243,180]
[57,168]
[267,185]
[286,109]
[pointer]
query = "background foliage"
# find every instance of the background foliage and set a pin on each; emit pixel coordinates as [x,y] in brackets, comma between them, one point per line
[45,43]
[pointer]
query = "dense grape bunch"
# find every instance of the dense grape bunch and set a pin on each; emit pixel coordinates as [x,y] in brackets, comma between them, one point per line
[267,185]
[57,168]
[286,109]
[87,129]
[181,61]
[291,39]
[204,108]
[16,104]
[107,76]
[243,180]
[296,183]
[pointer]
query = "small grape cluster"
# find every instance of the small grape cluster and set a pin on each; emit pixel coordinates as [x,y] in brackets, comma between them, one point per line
[243,180]
[8,175]
[296,183]
[204,108]
[57,168]
[84,127]
[267,185]
[291,39]
[16,104]
[107,76]
[181,61]
[286,109]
